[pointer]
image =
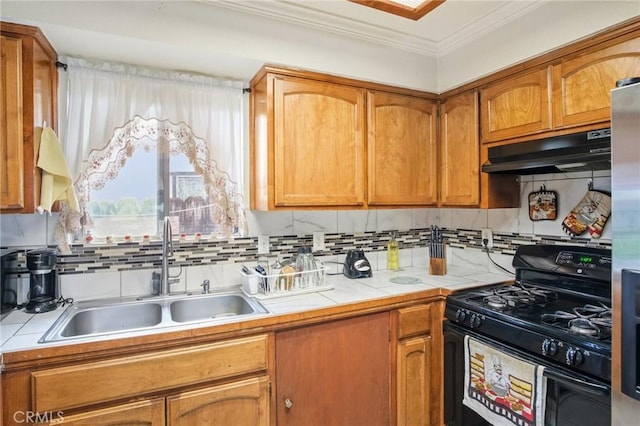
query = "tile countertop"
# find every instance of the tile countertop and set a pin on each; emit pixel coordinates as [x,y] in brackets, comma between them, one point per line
[20,331]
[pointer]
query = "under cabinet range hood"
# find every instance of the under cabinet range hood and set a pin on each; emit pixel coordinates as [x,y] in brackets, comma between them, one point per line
[561,154]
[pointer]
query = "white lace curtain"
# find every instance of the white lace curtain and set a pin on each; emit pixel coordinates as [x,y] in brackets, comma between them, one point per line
[117,104]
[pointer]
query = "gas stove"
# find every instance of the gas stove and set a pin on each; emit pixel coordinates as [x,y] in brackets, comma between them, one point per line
[558,308]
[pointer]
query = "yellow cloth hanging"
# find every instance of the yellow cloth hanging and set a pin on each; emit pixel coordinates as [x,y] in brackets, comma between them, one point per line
[57,184]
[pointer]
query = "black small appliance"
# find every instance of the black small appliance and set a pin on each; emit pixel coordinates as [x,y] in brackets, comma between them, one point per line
[356,265]
[43,281]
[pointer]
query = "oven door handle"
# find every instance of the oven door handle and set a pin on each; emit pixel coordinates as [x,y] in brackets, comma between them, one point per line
[578,383]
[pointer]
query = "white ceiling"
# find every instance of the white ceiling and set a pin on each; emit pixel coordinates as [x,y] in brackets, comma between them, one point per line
[458,41]
[447,27]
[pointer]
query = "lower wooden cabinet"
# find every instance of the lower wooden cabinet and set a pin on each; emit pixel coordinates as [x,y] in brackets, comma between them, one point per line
[241,403]
[334,373]
[148,412]
[414,358]
[418,374]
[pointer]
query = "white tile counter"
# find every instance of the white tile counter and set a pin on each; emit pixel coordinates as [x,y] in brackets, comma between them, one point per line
[21,331]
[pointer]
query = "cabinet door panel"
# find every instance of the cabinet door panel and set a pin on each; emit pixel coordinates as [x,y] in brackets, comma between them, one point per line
[319,143]
[402,150]
[142,413]
[335,373]
[460,152]
[414,358]
[243,403]
[11,155]
[582,84]
[516,106]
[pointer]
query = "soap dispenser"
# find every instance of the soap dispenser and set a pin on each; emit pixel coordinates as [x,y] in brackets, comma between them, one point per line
[393,250]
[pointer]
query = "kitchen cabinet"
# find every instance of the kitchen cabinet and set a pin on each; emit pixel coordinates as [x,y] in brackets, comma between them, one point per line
[146,412]
[226,382]
[320,141]
[459,151]
[461,154]
[516,106]
[307,143]
[334,373]
[239,403]
[28,98]
[418,374]
[582,82]
[402,150]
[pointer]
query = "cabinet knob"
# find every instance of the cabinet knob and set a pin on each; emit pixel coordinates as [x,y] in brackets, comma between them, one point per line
[288,403]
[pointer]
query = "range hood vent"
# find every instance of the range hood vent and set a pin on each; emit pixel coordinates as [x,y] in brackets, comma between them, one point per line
[561,154]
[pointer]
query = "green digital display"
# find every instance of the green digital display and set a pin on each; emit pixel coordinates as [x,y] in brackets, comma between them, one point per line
[586,259]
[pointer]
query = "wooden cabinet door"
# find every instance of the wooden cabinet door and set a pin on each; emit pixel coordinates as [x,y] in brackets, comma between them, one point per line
[516,106]
[29,98]
[336,373]
[141,413]
[582,83]
[459,151]
[242,403]
[413,378]
[402,150]
[11,154]
[319,131]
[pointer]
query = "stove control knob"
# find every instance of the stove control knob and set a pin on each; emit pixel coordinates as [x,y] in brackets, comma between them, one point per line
[461,315]
[549,347]
[475,321]
[574,356]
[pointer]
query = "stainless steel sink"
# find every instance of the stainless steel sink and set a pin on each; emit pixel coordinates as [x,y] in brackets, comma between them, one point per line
[98,318]
[112,318]
[214,307]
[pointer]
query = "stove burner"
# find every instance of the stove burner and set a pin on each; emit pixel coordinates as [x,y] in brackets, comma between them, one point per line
[588,320]
[583,326]
[496,302]
[501,298]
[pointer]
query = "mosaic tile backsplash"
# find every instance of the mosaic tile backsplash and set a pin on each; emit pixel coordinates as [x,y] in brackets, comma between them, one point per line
[136,256]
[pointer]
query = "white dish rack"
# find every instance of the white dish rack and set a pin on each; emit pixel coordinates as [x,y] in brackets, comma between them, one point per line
[284,284]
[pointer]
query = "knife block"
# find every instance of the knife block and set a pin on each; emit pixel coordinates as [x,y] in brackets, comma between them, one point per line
[437,266]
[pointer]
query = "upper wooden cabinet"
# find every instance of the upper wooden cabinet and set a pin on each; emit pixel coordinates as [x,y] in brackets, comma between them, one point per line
[28,94]
[572,91]
[582,83]
[459,151]
[516,106]
[307,143]
[402,150]
[311,134]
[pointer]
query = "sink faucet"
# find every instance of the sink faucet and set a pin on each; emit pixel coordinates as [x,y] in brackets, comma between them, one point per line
[167,250]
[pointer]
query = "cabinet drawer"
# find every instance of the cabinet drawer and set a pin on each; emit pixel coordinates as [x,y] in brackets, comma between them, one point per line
[414,320]
[84,384]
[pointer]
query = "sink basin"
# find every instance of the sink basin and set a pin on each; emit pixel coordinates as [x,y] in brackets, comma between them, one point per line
[92,319]
[112,318]
[214,307]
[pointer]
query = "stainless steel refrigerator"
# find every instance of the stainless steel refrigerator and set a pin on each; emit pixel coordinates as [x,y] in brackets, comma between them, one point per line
[625,184]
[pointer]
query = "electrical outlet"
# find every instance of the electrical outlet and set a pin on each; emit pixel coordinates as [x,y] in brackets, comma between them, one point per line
[487,235]
[318,241]
[263,244]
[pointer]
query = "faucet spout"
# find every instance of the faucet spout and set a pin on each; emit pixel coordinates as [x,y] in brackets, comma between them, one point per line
[167,251]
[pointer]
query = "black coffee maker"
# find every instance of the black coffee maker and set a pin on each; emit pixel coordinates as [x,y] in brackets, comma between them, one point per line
[43,281]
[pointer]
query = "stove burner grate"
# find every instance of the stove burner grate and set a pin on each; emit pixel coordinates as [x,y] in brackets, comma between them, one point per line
[588,320]
[512,297]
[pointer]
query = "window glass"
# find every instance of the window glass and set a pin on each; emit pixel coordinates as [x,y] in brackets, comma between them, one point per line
[132,203]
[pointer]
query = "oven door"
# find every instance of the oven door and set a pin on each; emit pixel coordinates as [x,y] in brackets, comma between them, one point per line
[571,399]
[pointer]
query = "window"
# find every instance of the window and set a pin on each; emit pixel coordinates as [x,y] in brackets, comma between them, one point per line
[143,144]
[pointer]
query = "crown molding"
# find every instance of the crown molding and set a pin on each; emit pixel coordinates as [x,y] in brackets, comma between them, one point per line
[487,24]
[298,13]
[304,16]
